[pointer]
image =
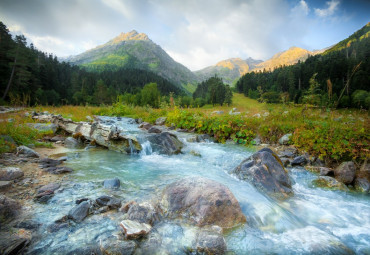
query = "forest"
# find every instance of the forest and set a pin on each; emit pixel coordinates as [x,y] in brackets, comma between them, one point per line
[339,77]
[31,77]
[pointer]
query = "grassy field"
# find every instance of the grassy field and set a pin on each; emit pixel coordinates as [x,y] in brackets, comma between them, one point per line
[332,135]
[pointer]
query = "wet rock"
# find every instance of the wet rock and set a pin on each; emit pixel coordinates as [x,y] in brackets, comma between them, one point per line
[203,138]
[299,161]
[322,171]
[165,143]
[160,121]
[145,125]
[285,161]
[110,202]
[64,158]
[48,162]
[154,130]
[285,139]
[8,208]
[202,201]
[152,245]
[183,130]
[57,138]
[114,183]
[288,152]
[85,250]
[210,243]
[345,172]
[28,224]
[266,171]
[195,153]
[49,187]
[5,185]
[362,185]
[113,246]
[71,143]
[10,173]
[79,201]
[329,183]
[79,212]
[25,151]
[12,244]
[55,227]
[134,229]
[58,170]
[142,213]
[44,197]
[139,121]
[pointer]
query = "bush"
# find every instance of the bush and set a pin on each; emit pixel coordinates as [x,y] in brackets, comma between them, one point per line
[271,97]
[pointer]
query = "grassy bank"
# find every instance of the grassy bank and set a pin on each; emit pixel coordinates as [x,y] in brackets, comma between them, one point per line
[332,135]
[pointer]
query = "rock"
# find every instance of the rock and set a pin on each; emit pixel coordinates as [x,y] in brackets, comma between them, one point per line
[329,182]
[10,173]
[71,143]
[139,121]
[24,150]
[285,161]
[8,139]
[142,213]
[114,183]
[160,121]
[145,125]
[58,170]
[234,113]
[217,112]
[154,130]
[345,172]
[362,185]
[88,118]
[44,197]
[285,139]
[43,127]
[79,212]
[195,153]
[288,152]
[134,230]
[12,244]
[299,161]
[202,201]
[57,138]
[113,246]
[48,162]
[257,115]
[28,224]
[49,187]
[256,140]
[165,143]
[210,243]
[8,208]
[266,172]
[5,184]
[79,201]
[203,138]
[322,171]
[111,202]
[152,244]
[183,130]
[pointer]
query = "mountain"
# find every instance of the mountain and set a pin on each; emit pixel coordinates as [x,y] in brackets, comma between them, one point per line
[285,58]
[228,70]
[134,50]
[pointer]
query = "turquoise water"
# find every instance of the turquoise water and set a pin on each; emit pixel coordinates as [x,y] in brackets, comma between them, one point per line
[314,221]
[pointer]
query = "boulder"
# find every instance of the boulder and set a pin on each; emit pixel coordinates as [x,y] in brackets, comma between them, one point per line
[154,130]
[299,161]
[345,172]
[210,243]
[362,185]
[142,213]
[266,172]
[8,208]
[5,184]
[58,170]
[48,162]
[160,121]
[165,143]
[49,187]
[57,138]
[329,183]
[46,192]
[285,139]
[43,127]
[24,150]
[111,202]
[12,244]
[114,183]
[256,140]
[203,202]
[134,229]
[10,173]
[79,212]
[145,125]
[114,246]
[322,171]
[71,143]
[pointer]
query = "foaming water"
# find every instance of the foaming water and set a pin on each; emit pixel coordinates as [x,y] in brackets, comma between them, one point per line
[313,221]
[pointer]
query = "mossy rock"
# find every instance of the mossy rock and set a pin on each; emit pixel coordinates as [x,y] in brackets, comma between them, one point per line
[329,183]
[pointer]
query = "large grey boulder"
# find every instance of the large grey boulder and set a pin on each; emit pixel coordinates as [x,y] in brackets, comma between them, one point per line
[284,140]
[165,143]
[203,202]
[71,143]
[266,172]
[10,173]
[24,150]
[345,172]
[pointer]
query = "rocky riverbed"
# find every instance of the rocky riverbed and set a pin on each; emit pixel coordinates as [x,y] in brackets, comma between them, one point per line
[162,191]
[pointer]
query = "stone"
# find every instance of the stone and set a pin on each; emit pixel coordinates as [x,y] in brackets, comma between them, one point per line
[285,139]
[111,202]
[322,171]
[114,183]
[24,150]
[48,162]
[203,202]
[71,143]
[43,127]
[57,138]
[329,183]
[288,152]
[113,246]
[345,172]
[154,130]
[49,187]
[142,213]
[165,143]
[44,197]
[58,170]
[134,230]
[203,138]
[160,121]
[217,112]
[211,243]
[299,161]
[285,161]
[362,185]
[79,201]
[266,172]
[79,212]
[12,244]
[5,185]
[145,125]
[8,208]
[257,115]
[139,121]
[195,153]
[257,140]
[10,173]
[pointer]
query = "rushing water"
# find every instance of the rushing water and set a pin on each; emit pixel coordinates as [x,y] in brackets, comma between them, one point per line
[313,221]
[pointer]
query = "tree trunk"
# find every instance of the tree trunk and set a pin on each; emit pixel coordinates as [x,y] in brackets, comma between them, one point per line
[10,80]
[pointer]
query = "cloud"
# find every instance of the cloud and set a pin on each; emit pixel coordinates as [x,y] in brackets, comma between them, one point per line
[332,6]
[301,8]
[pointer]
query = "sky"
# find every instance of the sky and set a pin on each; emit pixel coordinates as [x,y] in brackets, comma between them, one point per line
[196,33]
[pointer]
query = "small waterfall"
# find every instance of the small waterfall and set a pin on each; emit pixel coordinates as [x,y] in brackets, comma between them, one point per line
[132,148]
[147,148]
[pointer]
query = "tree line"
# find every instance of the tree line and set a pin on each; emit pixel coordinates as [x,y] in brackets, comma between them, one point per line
[340,77]
[29,77]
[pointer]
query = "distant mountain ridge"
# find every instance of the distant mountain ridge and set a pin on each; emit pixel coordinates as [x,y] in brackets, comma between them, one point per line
[134,50]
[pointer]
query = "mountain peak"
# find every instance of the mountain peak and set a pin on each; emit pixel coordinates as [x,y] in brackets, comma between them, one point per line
[130,36]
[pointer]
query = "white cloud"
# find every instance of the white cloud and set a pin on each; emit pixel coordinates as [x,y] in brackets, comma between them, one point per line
[302,8]
[332,6]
